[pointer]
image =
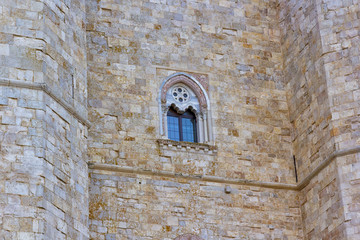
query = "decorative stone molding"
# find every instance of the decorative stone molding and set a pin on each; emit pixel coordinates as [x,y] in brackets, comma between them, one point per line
[233,181]
[45,88]
[166,144]
[206,178]
[181,102]
[198,102]
[188,82]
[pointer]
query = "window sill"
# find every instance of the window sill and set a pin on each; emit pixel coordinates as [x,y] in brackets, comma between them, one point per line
[166,144]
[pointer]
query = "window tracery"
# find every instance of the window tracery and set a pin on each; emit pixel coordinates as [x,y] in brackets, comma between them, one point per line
[182,93]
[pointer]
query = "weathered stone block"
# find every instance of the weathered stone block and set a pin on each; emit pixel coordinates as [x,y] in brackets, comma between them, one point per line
[17,188]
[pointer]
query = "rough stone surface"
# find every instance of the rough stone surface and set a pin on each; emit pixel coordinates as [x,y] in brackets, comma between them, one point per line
[188,237]
[146,41]
[322,69]
[309,107]
[43,161]
[282,78]
[350,192]
[148,207]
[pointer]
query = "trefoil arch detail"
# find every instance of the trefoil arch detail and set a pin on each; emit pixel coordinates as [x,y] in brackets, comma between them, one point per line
[182,92]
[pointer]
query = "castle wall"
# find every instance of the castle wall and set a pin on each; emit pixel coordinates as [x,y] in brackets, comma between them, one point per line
[66,175]
[321,206]
[329,203]
[309,107]
[310,115]
[43,186]
[339,23]
[339,26]
[130,206]
[282,78]
[322,69]
[132,48]
[350,190]
[22,159]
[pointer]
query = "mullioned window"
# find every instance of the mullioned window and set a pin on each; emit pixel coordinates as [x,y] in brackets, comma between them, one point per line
[184,110]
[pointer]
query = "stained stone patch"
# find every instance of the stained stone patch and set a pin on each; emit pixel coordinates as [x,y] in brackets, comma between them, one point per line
[188,237]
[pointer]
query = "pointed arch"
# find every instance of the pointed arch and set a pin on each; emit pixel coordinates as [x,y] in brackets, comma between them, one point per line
[198,102]
[189,81]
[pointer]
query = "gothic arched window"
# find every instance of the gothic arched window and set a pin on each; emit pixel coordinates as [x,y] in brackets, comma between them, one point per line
[185,110]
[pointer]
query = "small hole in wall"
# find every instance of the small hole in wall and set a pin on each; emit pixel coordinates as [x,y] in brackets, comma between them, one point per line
[139,182]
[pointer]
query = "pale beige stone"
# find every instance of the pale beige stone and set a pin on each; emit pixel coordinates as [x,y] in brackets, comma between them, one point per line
[282,79]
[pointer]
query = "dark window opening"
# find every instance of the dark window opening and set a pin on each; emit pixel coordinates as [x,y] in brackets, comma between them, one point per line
[181,127]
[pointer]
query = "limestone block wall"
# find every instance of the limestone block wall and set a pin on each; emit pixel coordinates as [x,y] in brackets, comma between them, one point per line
[310,115]
[350,191]
[322,68]
[43,186]
[21,166]
[65,191]
[130,206]
[43,41]
[282,79]
[133,46]
[64,56]
[321,206]
[44,182]
[339,26]
[339,23]
[309,108]
[21,141]
[19,44]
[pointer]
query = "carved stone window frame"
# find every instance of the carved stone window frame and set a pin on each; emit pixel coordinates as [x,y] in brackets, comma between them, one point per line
[199,104]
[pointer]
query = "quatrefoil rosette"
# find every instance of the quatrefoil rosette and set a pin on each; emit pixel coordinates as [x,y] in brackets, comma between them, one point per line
[181,98]
[180,94]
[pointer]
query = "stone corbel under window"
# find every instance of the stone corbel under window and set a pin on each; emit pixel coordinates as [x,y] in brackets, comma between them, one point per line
[166,144]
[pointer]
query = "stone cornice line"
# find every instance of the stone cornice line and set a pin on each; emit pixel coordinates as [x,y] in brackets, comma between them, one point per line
[273,185]
[45,88]
[325,163]
[116,168]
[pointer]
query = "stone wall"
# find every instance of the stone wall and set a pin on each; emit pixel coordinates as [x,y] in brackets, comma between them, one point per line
[322,68]
[21,165]
[282,79]
[321,206]
[304,72]
[20,45]
[65,174]
[66,185]
[339,23]
[339,26]
[130,206]
[329,202]
[350,191]
[44,182]
[64,56]
[133,46]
